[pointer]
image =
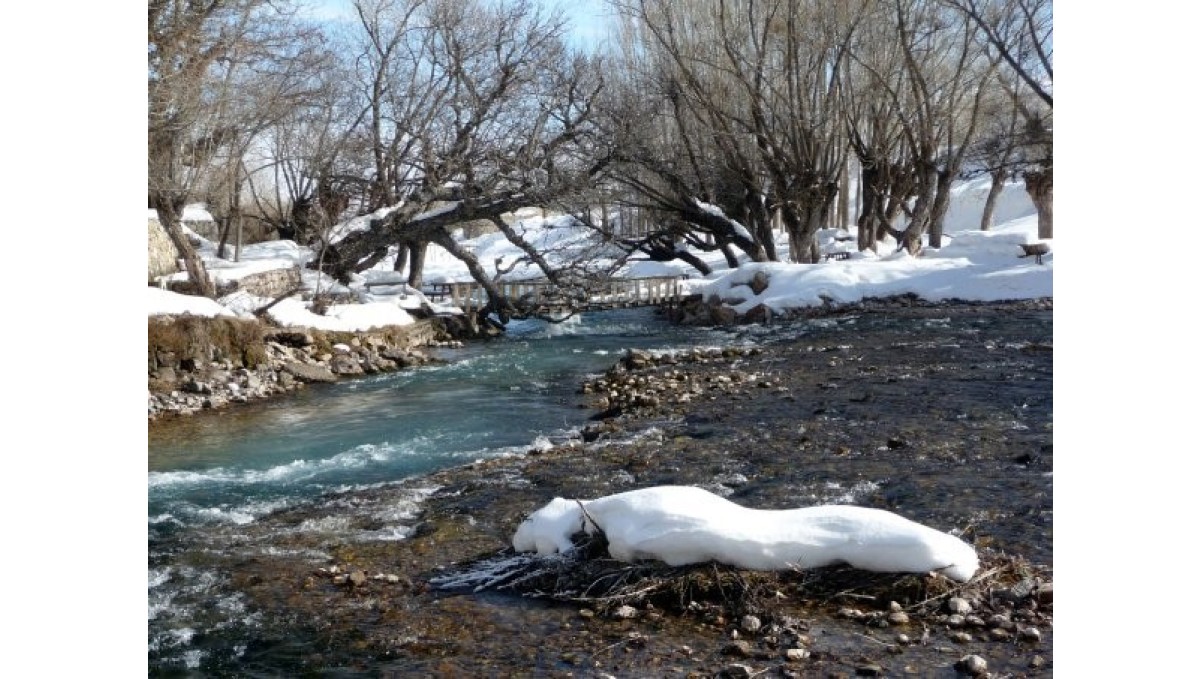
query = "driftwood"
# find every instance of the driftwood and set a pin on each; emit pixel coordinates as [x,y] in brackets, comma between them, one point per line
[588,575]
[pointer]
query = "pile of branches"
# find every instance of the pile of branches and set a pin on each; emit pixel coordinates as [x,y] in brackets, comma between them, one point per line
[588,575]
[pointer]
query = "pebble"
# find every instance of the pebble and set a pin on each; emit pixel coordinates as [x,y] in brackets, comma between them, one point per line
[999,634]
[587,613]
[751,623]
[975,621]
[869,670]
[972,665]
[1031,634]
[958,605]
[898,618]
[903,639]
[796,654]
[960,637]
[625,612]
[955,620]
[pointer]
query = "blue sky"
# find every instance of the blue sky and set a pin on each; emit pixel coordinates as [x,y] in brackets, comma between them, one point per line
[589,18]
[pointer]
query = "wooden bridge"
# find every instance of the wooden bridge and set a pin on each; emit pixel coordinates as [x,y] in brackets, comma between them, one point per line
[545,297]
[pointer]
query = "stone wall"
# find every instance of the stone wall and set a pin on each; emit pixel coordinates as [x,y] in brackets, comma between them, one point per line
[271,284]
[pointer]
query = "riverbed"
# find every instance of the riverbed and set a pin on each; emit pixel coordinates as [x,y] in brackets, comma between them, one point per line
[942,414]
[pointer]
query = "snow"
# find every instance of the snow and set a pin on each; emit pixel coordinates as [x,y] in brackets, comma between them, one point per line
[971,265]
[170,303]
[682,525]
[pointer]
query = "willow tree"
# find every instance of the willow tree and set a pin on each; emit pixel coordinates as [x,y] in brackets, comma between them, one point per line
[474,109]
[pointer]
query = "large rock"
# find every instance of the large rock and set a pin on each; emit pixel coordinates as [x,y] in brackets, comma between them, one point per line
[759,282]
[345,364]
[723,315]
[309,373]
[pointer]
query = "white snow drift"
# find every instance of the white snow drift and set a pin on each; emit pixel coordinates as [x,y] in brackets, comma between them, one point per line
[684,525]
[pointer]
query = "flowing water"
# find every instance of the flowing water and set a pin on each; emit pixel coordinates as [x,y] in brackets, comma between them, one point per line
[214,479]
[491,399]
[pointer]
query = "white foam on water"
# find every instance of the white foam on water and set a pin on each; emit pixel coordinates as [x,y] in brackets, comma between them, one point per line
[157,576]
[295,471]
[843,496]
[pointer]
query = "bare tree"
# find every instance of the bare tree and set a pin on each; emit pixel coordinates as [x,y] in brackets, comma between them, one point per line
[474,110]
[194,55]
[1020,34]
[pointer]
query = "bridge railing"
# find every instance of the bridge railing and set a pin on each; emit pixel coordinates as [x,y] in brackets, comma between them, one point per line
[543,295]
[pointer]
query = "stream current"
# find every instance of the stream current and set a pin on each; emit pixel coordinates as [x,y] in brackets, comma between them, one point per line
[217,481]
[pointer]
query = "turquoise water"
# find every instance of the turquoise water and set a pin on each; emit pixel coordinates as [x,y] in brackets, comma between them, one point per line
[219,471]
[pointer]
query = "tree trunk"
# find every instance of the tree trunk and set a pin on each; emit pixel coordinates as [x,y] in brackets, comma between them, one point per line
[416,263]
[843,199]
[989,205]
[941,204]
[871,211]
[401,262]
[1040,186]
[168,216]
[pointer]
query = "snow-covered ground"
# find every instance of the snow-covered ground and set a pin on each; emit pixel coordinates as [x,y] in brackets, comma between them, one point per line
[971,265]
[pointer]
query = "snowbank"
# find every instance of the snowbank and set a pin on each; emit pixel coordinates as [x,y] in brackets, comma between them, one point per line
[165,302]
[684,525]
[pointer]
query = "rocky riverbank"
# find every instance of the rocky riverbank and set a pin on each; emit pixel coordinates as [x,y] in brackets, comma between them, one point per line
[940,413]
[198,364]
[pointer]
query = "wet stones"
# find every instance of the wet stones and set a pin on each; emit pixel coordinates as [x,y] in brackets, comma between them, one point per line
[972,665]
[751,623]
[958,605]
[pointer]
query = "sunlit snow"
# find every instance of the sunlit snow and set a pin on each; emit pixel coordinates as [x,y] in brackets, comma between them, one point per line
[682,525]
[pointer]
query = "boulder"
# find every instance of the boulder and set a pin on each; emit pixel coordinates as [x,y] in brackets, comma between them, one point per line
[309,373]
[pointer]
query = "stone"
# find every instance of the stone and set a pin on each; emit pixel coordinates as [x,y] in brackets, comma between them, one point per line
[869,670]
[308,373]
[357,578]
[796,654]
[345,364]
[956,620]
[625,612]
[1030,634]
[751,623]
[999,634]
[958,605]
[897,618]
[759,313]
[587,613]
[972,665]
[960,637]
[759,282]
[723,315]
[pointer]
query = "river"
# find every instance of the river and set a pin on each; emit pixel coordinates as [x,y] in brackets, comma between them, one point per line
[946,415]
[490,399]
